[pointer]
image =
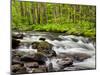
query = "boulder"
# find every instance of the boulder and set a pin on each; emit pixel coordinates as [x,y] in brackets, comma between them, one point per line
[22,71]
[65,62]
[74,39]
[50,67]
[36,57]
[64,55]
[21,53]
[75,56]
[14,61]
[40,69]
[35,45]
[81,56]
[15,43]
[51,53]
[18,69]
[31,64]
[37,70]
[43,67]
[43,39]
[18,36]
[44,46]
[16,56]
[15,67]
[40,58]
[27,58]
[73,68]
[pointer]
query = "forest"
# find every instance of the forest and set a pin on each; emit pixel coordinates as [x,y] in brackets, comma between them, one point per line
[54,17]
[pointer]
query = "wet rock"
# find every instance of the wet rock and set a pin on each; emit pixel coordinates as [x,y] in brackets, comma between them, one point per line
[59,39]
[75,40]
[64,55]
[36,57]
[14,61]
[15,43]
[37,70]
[73,68]
[44,46]
[43,67]
[16,56]
[35,45]
[50,67]
[31,64]
[51,53]
[20,53]
[40,68]
[43,39]
[65,62]
[18,36]
[75,56]
[81,56]
[40,58]
[13,53]
[15,68]
[27,58]
[22,71]
[70,69]
[18,69]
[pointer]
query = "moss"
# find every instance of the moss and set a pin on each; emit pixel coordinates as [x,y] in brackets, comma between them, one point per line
[44,46]
[35,45]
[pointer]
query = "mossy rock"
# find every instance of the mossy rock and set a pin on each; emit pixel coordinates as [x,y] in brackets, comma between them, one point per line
[44,46]
[35,45]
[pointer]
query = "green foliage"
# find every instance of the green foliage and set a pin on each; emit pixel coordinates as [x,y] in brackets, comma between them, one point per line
[51,17]
[69,28]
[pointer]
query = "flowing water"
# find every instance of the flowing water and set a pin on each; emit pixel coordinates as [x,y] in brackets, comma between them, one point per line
[62,43]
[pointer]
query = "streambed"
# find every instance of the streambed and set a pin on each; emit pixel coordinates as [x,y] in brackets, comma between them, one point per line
[78,50]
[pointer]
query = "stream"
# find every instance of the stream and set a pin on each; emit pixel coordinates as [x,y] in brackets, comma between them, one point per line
[62,44]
